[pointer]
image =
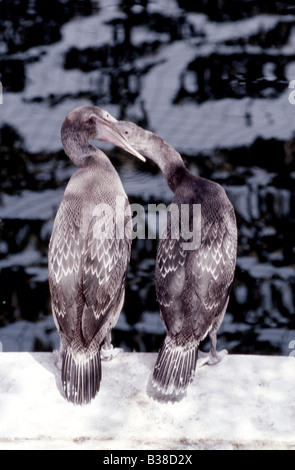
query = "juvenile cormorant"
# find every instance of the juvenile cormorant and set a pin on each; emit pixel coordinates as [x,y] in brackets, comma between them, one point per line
[89,251]
[194,267]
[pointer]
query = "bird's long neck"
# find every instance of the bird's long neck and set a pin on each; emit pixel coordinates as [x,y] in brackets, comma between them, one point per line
[166,157]
[77,147]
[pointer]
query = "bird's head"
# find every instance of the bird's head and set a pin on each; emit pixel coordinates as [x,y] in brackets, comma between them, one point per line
[88,123]
[133,134]
[156,149]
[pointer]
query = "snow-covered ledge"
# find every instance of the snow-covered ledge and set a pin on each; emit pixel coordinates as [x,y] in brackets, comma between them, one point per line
[244,402]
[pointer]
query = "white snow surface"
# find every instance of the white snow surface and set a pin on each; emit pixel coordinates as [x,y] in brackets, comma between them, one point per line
[244,402]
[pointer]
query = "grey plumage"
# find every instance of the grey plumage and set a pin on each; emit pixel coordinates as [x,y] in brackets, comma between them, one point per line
[203,277]
[87,261]
[192,285]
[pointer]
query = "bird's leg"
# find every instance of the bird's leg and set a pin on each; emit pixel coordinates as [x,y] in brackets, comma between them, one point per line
[58,353]
[214,355]
[57,358]
[107,347]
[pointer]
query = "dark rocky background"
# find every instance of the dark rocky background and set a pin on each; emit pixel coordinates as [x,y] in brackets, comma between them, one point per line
[213,81]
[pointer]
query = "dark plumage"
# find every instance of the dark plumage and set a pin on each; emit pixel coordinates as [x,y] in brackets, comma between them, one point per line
[87,260]
[192,285]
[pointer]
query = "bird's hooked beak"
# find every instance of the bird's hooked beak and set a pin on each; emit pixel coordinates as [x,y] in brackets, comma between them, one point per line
[110,134]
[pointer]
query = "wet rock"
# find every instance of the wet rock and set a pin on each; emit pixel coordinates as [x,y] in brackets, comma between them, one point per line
[25,24]
[233,75]
[232,10]
[218,92]
[13,74]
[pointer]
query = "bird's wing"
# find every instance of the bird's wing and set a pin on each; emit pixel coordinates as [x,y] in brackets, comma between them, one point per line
[205,274]
[104,268]
[170,281]
[65,248]
[213,266]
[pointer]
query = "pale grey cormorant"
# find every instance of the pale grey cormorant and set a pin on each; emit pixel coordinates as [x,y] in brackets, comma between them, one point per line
[88,259]
[192,284]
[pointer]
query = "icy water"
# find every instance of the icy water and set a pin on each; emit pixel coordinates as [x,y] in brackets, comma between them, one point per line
[213,82]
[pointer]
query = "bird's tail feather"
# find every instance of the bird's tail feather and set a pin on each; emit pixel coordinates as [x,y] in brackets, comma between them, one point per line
[81,375]
[175,367]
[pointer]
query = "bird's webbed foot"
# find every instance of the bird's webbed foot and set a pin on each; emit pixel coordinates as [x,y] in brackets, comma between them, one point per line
[107,352]
[214,356]
[107,349]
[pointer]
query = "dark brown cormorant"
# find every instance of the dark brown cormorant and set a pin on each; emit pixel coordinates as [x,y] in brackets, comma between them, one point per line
[89,251]
[195,265]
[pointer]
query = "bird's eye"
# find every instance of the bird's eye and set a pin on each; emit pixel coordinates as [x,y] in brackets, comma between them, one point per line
[126,132]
